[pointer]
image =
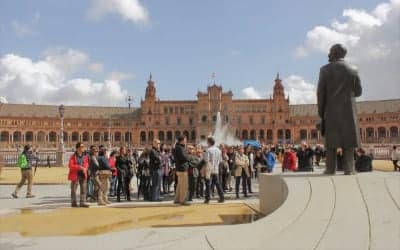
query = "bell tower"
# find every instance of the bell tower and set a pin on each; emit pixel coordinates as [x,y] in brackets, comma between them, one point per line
[150,90]
[279,91]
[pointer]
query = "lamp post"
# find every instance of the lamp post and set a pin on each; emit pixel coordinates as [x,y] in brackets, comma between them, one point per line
[109,134]
[129,101]
[60,158]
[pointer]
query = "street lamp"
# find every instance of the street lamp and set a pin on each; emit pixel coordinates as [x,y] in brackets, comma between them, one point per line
[129,101]
[109,134]
[61,111]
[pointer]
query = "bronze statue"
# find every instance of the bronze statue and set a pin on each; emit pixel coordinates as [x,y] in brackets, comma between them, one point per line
[338,86]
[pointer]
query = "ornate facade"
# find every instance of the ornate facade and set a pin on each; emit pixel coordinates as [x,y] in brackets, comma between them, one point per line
[271,120]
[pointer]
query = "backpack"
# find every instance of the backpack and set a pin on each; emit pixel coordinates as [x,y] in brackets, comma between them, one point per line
[22,161]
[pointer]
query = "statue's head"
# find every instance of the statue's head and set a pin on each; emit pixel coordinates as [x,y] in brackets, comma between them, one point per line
[337,51]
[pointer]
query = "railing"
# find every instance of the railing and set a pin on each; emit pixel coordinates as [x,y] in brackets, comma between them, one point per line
[10,158]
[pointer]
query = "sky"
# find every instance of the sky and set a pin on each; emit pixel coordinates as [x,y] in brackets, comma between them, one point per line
[98,52]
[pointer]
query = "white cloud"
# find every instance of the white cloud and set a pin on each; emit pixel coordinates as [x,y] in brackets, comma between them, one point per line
[373,44]
[25,29]
[251,93]
[3,99]
[49,81]
[299,91]
[129,10]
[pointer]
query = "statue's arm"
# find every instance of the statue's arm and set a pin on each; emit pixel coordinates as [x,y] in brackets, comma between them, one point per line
[321,93]
[357,86]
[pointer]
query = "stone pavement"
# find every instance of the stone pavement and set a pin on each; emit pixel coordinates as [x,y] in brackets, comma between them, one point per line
[320,212]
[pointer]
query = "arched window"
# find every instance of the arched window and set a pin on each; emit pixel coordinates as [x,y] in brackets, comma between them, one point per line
[245,135]
[261,136]
[29,136]
[303,134]
[85,136]
[106,137]
[161,136]
[394,132]
[169,136]
[177,134]
[370,132]
[252,134]
[204,119]
[52,136]
[117,136]
[17,136]
[314,134]
[288,134]
[74,136]
[186,134]
[151,136]
[41,136]
[280,134]
[96,136]
[128,136]
[269,134]
[4,136]
[381,132]
[142,137]
[193,135]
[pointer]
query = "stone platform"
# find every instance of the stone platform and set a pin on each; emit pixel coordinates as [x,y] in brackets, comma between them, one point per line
[312,211]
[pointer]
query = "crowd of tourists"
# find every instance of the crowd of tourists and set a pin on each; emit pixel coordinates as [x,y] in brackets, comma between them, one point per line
[189,171]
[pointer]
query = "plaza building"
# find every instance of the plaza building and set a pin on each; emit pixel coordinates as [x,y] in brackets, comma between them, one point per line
[272,120]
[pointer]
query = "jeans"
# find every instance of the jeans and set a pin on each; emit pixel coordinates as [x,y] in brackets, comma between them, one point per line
[214,181]
[192,186]
[156,184]
[113,185]
[244,183]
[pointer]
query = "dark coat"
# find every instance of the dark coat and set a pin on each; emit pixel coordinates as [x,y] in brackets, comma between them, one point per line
[338,86]
[181,158]
[155,159]
[304,158]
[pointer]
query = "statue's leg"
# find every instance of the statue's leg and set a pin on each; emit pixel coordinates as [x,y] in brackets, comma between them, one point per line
[331,161]
[348,161]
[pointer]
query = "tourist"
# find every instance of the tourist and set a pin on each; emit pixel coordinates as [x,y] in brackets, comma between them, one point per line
[166,168]
[78,172]
[155,170]
[48,161]
[181,165]
[193,171]
[395,156]
[213,157]
[231,163]
[259,163]
[338,86]
[125,173]
[224,168]
[104,176]
[250,154]
[318,152]
[363,161]
[25,163]
[305,158]
[94,180]
[202,167]
[270,159]
[289,160]
[143,175]
[241,171]
[114,171]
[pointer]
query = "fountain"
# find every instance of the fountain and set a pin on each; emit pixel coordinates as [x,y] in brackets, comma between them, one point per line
[223,135]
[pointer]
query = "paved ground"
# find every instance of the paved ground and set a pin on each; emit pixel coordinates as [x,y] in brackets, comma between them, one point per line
[320,212]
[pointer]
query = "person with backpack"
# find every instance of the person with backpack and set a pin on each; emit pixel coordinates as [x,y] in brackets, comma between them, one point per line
[25,163]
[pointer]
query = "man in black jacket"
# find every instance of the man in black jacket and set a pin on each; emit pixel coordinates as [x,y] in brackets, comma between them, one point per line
[155,170]
[305,156]
[182,165]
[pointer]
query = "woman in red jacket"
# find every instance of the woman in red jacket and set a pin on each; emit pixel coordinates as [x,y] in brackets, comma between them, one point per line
[78,171]
[289,160]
